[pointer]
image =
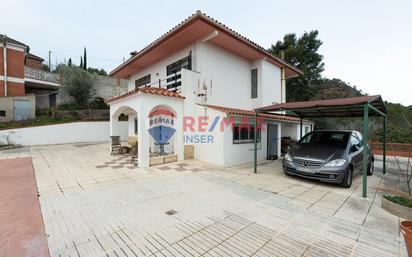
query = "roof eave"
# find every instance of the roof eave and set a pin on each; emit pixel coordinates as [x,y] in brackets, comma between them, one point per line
[199,15]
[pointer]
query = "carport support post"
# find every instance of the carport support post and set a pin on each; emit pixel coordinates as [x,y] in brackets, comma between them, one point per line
[301,131]
[255,144]
[384,144]
[365,150]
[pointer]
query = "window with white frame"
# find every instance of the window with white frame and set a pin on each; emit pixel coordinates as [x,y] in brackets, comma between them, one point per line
[243,134]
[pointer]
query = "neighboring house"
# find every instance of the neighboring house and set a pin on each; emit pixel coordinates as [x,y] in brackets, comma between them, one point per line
[198,77]
[23,85]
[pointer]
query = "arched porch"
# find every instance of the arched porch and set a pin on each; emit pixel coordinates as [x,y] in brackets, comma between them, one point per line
[153,123]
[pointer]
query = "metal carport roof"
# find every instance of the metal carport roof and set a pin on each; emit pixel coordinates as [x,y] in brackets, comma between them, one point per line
[340,107]
[361,106]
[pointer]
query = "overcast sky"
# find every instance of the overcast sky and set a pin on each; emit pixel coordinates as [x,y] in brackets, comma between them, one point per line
[366,43]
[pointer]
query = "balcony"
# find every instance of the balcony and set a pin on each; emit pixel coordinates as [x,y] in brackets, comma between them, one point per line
[41,77]
[173,82]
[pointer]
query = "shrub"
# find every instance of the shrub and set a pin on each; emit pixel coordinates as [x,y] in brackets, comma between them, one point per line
[78,84]
[98,103]
[401,200]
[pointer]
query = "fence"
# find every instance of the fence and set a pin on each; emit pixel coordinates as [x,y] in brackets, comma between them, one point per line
[392,149]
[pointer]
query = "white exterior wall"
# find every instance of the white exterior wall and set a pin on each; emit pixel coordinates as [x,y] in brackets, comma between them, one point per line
[158,70]
[142,104]
[292,130]
[130,131]
[228,79]
[210,152]
[229,75]
[271,84]
[243,153]
[75,132]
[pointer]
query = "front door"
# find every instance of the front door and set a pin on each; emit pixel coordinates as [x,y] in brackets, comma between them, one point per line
[272,145]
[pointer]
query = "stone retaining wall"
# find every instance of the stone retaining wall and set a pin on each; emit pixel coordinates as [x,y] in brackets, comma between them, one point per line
[105,87]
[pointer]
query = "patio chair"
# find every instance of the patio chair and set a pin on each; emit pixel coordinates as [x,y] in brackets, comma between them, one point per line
[115,144]
[133,153]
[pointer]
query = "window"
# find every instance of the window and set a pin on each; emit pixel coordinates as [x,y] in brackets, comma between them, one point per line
[177,66]
[331,138]
[254,83]
[123,117]
[143,81]
[174,82]
[244,134]
[2,113]
[135,126]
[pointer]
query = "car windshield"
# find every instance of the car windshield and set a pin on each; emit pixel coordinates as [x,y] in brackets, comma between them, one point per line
[331,138]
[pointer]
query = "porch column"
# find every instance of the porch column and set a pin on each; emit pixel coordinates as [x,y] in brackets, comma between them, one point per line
[112,126]
[279,140]
[143,139]
[365,150]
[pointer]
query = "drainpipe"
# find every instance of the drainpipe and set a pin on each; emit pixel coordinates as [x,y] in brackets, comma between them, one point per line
[5,64]
[282,81]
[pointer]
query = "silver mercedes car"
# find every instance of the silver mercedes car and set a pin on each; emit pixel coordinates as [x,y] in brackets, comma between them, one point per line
[329,156]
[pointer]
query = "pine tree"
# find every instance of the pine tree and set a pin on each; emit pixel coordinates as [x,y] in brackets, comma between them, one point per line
[69,63]
[81,62]
[302,52]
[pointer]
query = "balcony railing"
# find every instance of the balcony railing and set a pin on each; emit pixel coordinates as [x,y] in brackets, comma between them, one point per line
[41,75]
[173,82]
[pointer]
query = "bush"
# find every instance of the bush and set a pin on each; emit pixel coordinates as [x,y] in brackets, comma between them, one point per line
[98,103]
[70,106]
[78,84]
[401,200]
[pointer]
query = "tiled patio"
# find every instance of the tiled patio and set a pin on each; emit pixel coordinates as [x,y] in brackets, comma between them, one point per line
[104,211]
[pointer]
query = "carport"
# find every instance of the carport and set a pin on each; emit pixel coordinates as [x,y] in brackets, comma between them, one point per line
[362,106]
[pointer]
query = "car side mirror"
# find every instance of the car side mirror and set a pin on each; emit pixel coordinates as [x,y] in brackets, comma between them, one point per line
[354,148]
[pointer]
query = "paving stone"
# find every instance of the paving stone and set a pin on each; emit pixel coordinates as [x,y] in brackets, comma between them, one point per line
[220,212]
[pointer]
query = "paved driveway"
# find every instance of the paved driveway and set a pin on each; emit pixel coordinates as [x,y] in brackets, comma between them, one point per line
[97,205]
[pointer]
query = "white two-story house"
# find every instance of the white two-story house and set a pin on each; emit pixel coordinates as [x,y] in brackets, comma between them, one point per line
[209,79]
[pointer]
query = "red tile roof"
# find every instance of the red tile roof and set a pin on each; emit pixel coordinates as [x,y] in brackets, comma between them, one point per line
[147,90]
[198,15]
[240,112]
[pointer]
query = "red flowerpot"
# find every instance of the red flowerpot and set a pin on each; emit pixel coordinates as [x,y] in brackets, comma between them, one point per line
[406,229]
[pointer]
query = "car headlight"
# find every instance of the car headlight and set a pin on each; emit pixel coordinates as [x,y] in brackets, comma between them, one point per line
[335,163]
[288,157]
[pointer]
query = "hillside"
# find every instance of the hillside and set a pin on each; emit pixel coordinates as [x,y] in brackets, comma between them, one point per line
[399,131]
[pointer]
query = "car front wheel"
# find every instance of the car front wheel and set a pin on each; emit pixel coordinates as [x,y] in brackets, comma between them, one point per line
[371,167]
[347,179]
